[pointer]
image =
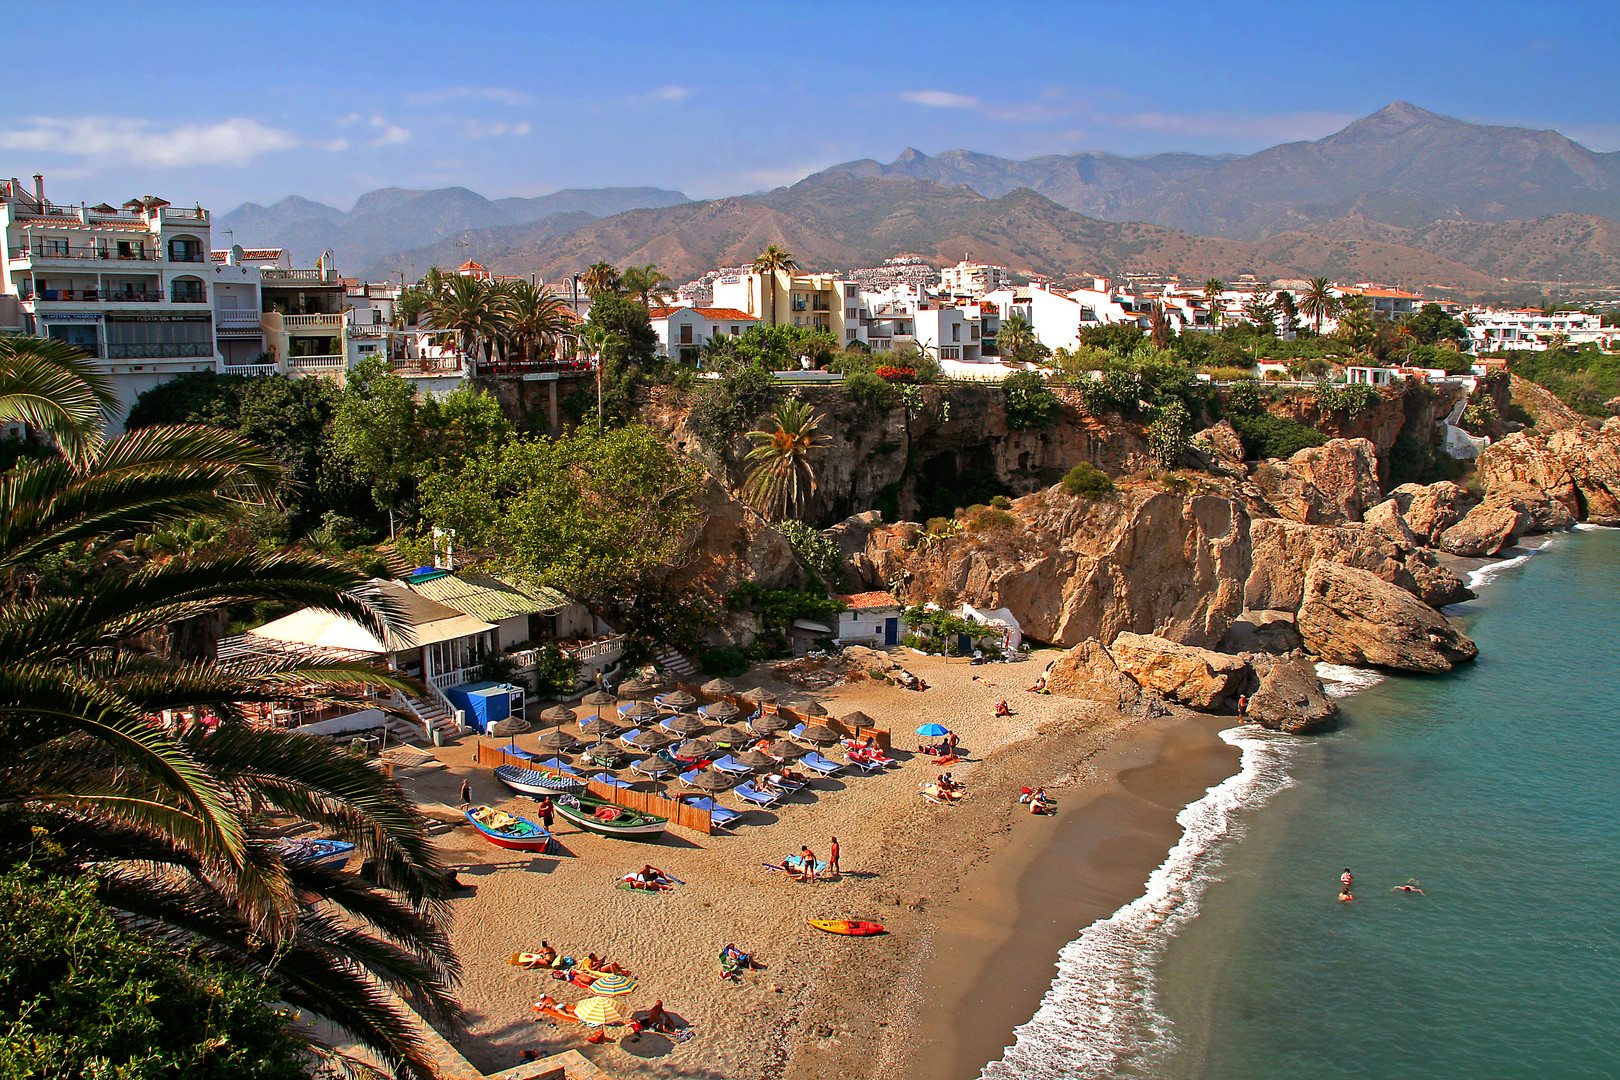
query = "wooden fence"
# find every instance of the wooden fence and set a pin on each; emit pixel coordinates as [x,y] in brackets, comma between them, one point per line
[877,735]
[679,813]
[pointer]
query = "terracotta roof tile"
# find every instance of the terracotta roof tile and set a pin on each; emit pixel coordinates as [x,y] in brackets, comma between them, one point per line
[878,599]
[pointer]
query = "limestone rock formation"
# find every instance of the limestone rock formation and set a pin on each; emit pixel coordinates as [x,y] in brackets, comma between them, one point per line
[1351,616]
[1197,678]
[1430,509]
[731,544]
[1578,467]
[1262,632]
[1284,551]
[1224,442]
[1289,697]
[1485,530]
[1546,514]
[1323,485]
[1522,459]
[1386,518]
[1543,405]
[1088,671]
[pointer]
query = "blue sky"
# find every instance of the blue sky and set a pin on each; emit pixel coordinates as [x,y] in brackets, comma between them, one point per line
[226,102]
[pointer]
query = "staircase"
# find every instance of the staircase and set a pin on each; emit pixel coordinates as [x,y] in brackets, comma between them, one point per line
[433,714]
[675,662]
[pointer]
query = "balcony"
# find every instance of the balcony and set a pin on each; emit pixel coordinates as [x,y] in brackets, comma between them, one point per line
[188,296]
[237,319]
[228,368]
[74,296]
[315,364]
[132,297]
[43,253]
[369,330]
[277,274]
[163,351]
[312,322]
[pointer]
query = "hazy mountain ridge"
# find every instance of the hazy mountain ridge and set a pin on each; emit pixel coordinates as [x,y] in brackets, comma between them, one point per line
[1402,165]
[392,219]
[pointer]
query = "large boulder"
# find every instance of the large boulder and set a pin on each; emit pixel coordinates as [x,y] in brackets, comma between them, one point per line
[1387,518]
[1546,513]
[1225,444]
[1283,551]
[1520,459]
[1593,461]
[1323,485]
[1351,616]
[731,543]
[1262,632]
[1430,509]
[1289,697]
[1190,676]
[1485,530]
[1088,671]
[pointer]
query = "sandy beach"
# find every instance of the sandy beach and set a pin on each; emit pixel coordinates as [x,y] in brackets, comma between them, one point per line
[958,888]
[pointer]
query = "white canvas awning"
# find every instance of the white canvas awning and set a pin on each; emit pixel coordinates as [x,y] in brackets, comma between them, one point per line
[426,622]
[813,627]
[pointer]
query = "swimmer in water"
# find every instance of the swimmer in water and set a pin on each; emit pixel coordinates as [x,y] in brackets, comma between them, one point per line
[1410,886]
[1346,879]
[1344,895]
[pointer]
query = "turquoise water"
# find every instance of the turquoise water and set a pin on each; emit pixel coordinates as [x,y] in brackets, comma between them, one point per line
[1498,789]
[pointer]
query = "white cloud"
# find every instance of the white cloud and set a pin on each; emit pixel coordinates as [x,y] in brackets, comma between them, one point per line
[481,129]
[331,144]
[498,94]
[346,120]
[390,134]
[939,99]
[672,94]
[122,140]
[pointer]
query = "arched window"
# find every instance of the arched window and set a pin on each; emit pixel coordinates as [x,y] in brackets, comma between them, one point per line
[186,249]
[187,290]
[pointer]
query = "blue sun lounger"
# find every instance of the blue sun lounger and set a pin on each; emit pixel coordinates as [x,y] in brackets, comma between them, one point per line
[731,766]
[560,765]
[816,763]
[604,778]
[750,793]
[719,816]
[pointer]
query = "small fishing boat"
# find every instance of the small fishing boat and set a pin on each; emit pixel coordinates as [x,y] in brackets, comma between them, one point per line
[506,830]
[600,816]
[851,927]
[312,851]
[536,783]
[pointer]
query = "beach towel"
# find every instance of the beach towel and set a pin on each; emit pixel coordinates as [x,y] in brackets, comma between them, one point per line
[555,1014]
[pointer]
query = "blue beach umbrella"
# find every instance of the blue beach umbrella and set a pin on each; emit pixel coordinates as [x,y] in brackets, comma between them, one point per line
[934,730]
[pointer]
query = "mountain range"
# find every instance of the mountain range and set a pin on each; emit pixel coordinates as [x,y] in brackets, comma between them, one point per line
[393,219]
[1403,196]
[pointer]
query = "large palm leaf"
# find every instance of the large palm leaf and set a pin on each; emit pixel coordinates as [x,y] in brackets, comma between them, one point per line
[56,389]
[782,477]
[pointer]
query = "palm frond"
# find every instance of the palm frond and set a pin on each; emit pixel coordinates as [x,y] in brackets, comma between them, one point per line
[57,389]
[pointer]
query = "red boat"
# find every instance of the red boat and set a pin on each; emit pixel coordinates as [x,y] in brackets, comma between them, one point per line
[506,830]
[852,927]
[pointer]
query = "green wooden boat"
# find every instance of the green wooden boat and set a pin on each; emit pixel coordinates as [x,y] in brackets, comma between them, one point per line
[600,816]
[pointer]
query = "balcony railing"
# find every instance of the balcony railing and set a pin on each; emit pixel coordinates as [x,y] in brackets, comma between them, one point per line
[331,322]
[315,363]
[142,297]
[279,274]
[525,367]
[237,318]
[154,351]
[188,297]
[39,251]
[228,368]
[370,330]
[66,295]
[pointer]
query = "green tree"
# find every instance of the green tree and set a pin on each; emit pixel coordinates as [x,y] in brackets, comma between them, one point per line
[731,404]
[1029,402]
[1287,311]
[646,284]
[1121,339]
[1260,310]
[782,478]
[476,313]
[539,319]
[1431,324]
[53,387]
[1213,288]
[772,261]
[629,334]
[600,279]
[1318,302]
[1016,337]
[376,432]
[1167,436]
[588,513]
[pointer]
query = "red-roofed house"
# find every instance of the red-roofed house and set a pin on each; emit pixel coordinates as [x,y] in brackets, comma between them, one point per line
[871,618]
[683,331]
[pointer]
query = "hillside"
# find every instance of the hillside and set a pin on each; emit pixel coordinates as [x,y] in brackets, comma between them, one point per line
[842,222]
[393,219]
[1402,165]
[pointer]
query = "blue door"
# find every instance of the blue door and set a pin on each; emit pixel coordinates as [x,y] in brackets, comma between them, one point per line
[891,632]
[964,645]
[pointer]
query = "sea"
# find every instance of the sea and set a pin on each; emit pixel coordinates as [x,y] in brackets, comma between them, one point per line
[1495,789]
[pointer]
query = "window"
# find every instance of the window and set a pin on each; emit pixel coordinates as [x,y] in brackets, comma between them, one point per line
[135,339]
[376,316]
[185,249]
[849,335]
[187,291]
[975,335]
[132,249]
[368,348]
[686,333]
[850,313]
[81,335]
[849,292]
[53,247]
[733,329]
[956,331]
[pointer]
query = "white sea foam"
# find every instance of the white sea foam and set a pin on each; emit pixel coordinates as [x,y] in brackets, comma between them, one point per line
[1342,680]
[1099,1013]
[1587,526]
[1484,574]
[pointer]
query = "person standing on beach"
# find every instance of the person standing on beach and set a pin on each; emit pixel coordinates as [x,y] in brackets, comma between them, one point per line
[832,859]
[1243,706]
[466,793]
[547,812]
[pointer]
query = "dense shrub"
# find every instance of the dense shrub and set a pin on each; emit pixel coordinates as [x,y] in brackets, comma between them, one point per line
[1029,403]
[891,374]
[988,518]
[1001,502]
[867,389]
[818,553]
[729,407]
[1347,399]
[1167,436]
[1247,397]
[1087,480]
[1268,436]
[723,660]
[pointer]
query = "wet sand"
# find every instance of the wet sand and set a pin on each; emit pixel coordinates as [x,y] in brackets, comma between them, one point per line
[996,945]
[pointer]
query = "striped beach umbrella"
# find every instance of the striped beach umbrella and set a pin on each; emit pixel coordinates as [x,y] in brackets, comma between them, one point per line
[613,985]
[601,1010]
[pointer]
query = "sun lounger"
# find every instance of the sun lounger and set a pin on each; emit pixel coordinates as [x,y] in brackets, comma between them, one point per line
[604,778]
[750,793]
[864,764]
[816,763]
[639,771]
[624,741]
[720,817]
[560,765]
[730,766]
[556,1014]
[519,752]
[796,732]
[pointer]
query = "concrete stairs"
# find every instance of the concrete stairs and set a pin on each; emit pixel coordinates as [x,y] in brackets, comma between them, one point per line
[677,663]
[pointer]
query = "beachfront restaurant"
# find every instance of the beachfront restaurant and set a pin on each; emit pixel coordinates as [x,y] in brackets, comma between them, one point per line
[441,647]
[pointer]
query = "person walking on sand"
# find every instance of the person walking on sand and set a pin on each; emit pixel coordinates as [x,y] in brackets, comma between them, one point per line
[466,793]
[1243,706]
[832,859]
[548,812]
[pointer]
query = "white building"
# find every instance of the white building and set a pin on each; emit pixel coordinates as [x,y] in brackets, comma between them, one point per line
[128,285]
[1529,328]
[972,279]
[870,618]
[683,331]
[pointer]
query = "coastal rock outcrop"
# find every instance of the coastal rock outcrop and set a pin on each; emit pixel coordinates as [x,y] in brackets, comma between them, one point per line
[1578,467]
[1323,485]
[731,544]
[1224,443]
[1284,551]
[1351,616]
[1289,696]
[1088,671]
[1190,676]
[1430,509]
[1262,632]
[1386,518]
[1486,529]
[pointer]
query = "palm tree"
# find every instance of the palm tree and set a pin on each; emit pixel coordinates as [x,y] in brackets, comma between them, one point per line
[1318,302]
[540,318]
[471,309]
[599,278]
[1213,288]
[768,263]
[645,283]
[1015,336]
[171,822]
[54,388]
[782,477]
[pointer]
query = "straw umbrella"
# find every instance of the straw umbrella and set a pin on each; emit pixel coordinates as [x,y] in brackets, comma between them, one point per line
[756,760]
[600,1011]
[718,687]
[558,714]
[650,740]
[802,706]
[641,710]
[678,699]
[634,687]
[512,726]
[785,748]
[759,695]
[855,721]
[736,735]
[684,724]
[711,780]
[557,740]
[692,749]
[598,698]
[720,710]
[821,736]
[655,766]
[598,726]
[768,723]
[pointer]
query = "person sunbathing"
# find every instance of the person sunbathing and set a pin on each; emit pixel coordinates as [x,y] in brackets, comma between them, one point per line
[657,1019]
[1002,709]
[601,965]
[547,954]
[792,777]
[768,782]
[653,884]
[1039,687]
